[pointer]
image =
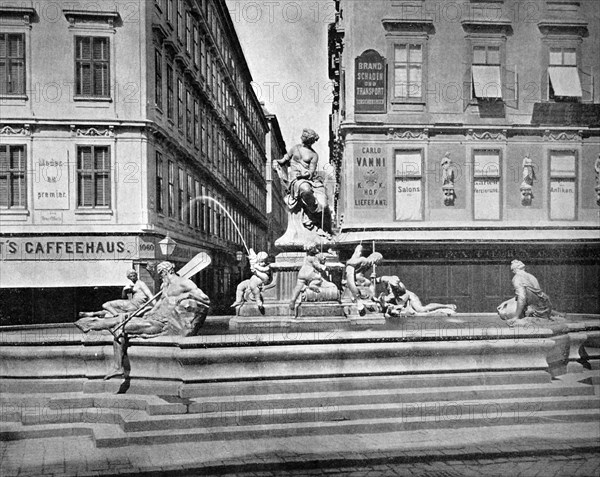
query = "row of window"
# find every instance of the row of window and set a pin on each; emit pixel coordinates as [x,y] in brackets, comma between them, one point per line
[488,75]
[194,118]
[187,31]
[93,176]
[183,195]
[487,185]
[92,65]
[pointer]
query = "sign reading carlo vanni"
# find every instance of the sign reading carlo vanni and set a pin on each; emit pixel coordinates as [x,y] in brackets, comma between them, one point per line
[370,83]
[370,175]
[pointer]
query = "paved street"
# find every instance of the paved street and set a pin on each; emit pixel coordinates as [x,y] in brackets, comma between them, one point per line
[544,450]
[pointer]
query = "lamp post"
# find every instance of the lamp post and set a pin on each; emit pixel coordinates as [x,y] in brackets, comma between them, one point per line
[167,246]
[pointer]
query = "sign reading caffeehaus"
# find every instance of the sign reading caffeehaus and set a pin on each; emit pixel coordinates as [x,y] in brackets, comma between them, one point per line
[69,248]
[370,84]
[370,173]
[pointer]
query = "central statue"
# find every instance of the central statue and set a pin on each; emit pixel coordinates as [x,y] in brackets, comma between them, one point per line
[306,195]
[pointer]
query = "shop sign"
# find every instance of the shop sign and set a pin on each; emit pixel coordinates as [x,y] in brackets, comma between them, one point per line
[370,172]
[51,184]
[370,83]
[69,248]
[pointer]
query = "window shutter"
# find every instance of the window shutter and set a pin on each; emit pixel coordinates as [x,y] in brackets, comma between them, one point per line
[17,158]
[510,86]
[3,45]
[85,159]
[100,79]
[587,84]
[3,77]
[17,76]
[84,79]
[100,49]
[467,87]
[4,163]
[85,190]
[84,50]
[101,159]
[3,190]
[18,190]
[102,190]
[15,46]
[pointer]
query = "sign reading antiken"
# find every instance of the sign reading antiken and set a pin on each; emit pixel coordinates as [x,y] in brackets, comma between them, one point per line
[370,83]
[370,172]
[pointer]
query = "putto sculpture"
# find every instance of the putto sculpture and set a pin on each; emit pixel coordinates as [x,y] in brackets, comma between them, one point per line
[398,301]
[181,310]
[529,299]
[310,274]
[252,287]
[306,194]
[357,283]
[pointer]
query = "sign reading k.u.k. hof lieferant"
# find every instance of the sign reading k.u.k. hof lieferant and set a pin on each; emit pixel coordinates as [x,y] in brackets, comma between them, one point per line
[370,83]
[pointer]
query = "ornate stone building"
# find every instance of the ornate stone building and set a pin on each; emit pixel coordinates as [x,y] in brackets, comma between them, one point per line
[112,122]
[465,135]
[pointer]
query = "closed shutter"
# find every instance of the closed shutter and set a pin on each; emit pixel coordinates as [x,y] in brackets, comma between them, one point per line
[4,174]
[18,183]
[85,166]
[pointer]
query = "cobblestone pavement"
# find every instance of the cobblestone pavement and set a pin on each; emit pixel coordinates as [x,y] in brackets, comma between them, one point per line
[545,450]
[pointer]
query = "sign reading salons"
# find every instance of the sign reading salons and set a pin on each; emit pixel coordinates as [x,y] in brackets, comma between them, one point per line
[370,172]
[370,84]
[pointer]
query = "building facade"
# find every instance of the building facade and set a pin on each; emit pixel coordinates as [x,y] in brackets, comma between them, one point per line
[277,210]
[465,135]
[114,125]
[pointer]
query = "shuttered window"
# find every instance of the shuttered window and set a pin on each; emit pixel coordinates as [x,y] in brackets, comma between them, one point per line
[188,115]
[180,104]
[169,91]
[158,89]
[13,175]
[171,191]
[12,64]
[159,183]
[93,176]
[92,72]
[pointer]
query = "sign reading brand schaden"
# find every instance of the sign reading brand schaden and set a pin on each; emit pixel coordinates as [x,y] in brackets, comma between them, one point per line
[370,83]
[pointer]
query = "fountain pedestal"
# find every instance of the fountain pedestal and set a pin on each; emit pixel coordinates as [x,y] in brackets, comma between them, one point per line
[322,311]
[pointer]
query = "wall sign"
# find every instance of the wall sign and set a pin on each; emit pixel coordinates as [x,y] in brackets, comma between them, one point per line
[69,248]
[370,173]
[51,184]
[370,83]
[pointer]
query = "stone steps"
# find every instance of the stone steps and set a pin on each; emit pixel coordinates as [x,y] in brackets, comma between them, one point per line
[114,419]
[115,437]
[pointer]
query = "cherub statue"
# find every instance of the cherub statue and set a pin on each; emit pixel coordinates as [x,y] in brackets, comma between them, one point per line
[261,275]
[402,302]
[310,274]
[356,267]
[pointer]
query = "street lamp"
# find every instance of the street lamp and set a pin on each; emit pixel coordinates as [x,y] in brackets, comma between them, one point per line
[167,246]
[239,256]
